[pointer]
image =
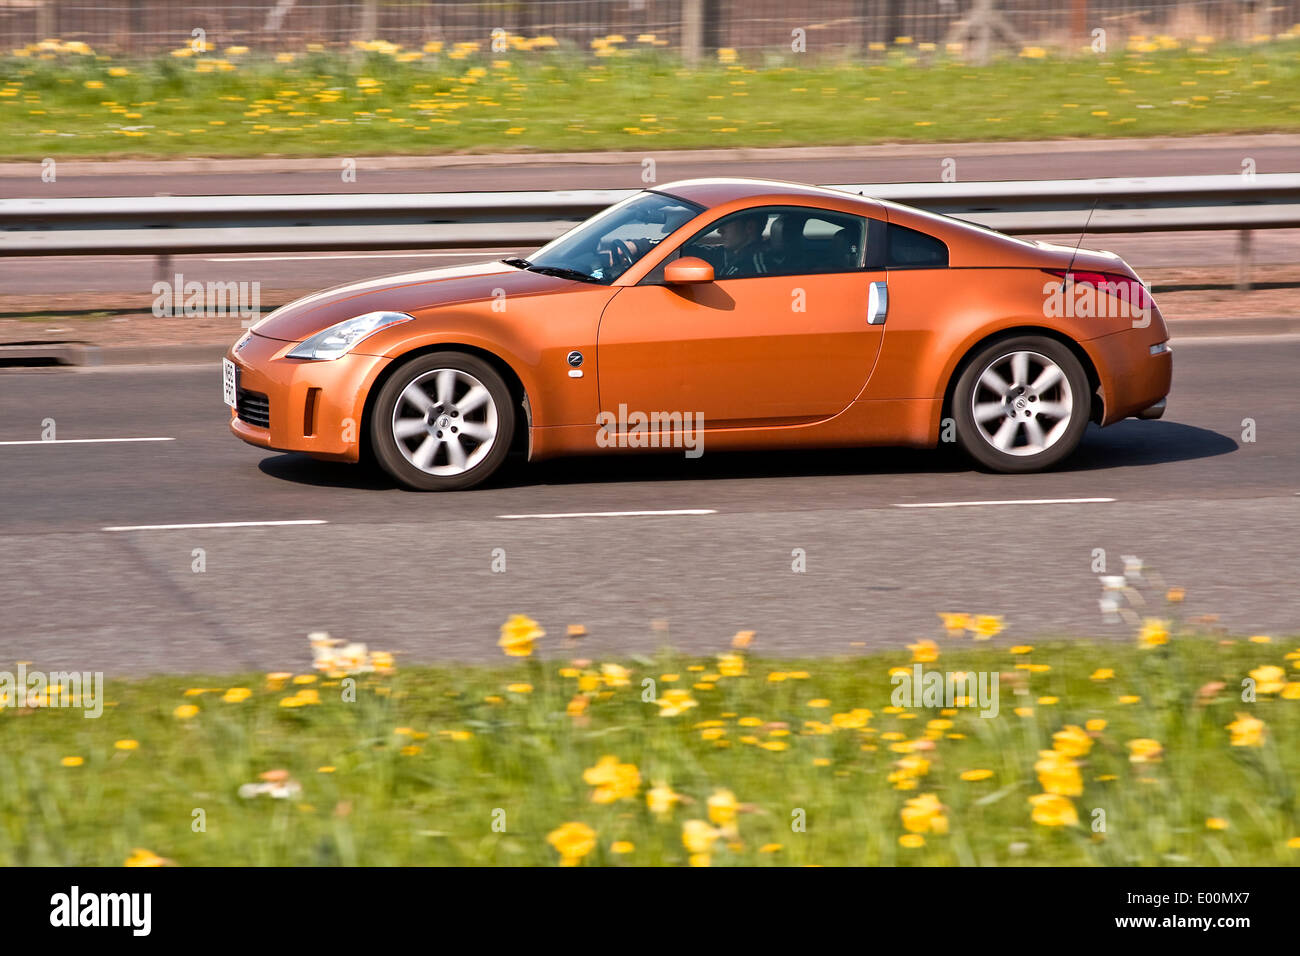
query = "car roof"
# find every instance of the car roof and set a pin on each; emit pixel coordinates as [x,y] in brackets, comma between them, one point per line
[717,191]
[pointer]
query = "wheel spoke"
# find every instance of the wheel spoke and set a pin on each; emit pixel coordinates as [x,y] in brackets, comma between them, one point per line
[1006,434]
[477,430]
[474,398]
[416,396]
[446,386]
[1048,377]
[988,411]
[456,456]
[1059,410]
[423,456]
[1034,433]
[409,428]
[994,382]
[1020,368]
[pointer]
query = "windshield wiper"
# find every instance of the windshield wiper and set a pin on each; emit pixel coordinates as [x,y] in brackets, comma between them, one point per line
[562,273]
[517,262]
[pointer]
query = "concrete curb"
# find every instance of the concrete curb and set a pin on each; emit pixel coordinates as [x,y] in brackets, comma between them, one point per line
[86,355]
[141,167]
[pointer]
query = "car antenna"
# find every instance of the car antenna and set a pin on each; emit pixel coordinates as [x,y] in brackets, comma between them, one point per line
[1086,222]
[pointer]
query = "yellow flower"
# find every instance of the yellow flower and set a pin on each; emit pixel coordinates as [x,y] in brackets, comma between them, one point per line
[1058,774]
[185,711]
[661,798]
[1102,673]
[924,814]
[1071,740]
[573,841]
[1129,698]
[72,761]
[577,706]
[1022,649]
[236,695]
[1291,691]
[698,837]
[675,702]
[1154,632]
[1145,750]
[771,848]
[731,665]
[912,841]
[520,688]
[854,719]
[612,780]
[924,651]
[742,639]
[142,857]
[819,703]
[722,807]
[1216,823]
[622,846]
[987,626]
[1053,810]
[972,776]
[518,634]
[614,675]
[1247,731]
[1269,679]
[127,744]
[1096,725]
[955,624]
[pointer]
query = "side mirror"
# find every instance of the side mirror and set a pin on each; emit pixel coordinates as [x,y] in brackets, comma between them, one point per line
[688,269]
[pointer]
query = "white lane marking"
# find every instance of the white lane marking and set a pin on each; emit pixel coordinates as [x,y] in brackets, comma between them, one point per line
[1016,501]
[359,255]
[80,441]
[211,524]
[616,514]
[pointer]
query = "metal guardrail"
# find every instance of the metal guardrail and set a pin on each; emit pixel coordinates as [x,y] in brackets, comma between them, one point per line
[167,225]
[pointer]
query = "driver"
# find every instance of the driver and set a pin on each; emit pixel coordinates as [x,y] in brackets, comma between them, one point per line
[742,247]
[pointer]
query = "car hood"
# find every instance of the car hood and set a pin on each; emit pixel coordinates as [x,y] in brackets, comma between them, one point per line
[411,292]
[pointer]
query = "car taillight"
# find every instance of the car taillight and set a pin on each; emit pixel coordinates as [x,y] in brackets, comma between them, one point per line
[1126,286]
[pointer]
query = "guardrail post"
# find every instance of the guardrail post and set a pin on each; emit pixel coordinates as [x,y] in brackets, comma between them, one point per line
[1244,250]
[163,267]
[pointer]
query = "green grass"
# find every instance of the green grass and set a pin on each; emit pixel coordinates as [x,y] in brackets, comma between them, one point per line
[524,759]
[318,105]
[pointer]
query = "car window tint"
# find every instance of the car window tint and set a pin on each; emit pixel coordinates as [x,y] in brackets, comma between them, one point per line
[777,241]
[909,249]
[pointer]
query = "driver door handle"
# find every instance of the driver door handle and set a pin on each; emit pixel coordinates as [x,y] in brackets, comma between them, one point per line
[877,303]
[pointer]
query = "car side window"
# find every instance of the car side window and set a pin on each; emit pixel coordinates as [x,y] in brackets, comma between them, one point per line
[777,241]
[909,249]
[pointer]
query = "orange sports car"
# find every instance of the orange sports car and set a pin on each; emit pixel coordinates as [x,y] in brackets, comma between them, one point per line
[727,313]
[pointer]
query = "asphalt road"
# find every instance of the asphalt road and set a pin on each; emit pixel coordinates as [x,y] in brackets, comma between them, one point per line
[414,572]
[901,164]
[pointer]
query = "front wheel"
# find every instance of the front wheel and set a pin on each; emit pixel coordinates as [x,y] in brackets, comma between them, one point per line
[1022,404]
[442,422]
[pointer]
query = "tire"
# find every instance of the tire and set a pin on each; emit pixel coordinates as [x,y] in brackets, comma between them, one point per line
[442,422]
[1022,404]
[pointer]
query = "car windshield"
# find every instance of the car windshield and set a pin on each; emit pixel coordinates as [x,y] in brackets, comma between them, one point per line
[612,241]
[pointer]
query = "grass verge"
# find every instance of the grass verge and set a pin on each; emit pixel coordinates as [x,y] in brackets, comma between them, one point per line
[1098,754]
[329,104]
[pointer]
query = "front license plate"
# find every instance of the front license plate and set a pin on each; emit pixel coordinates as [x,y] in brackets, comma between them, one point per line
[229,383]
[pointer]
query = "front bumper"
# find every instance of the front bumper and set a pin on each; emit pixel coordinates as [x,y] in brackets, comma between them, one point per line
[314,407]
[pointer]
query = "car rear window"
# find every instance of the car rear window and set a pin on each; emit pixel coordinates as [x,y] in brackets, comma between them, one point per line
[909,249]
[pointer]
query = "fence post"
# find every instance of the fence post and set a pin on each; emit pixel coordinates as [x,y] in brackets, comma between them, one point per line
[692,31]
[368,26]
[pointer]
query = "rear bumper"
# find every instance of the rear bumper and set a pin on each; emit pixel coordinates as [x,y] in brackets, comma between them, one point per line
[1132,379]
[314,407]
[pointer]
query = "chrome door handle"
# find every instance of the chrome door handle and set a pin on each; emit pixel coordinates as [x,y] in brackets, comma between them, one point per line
[877,303]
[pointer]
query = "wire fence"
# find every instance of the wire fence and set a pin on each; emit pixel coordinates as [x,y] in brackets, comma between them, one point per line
[829,27]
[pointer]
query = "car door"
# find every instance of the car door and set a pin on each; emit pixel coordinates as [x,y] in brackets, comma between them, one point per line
[790,337]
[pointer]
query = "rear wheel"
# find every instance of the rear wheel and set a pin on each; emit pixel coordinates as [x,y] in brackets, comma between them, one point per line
[442,422]
[1022,404]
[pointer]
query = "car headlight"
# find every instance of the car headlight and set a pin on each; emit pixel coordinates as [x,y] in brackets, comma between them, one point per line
[339,339]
